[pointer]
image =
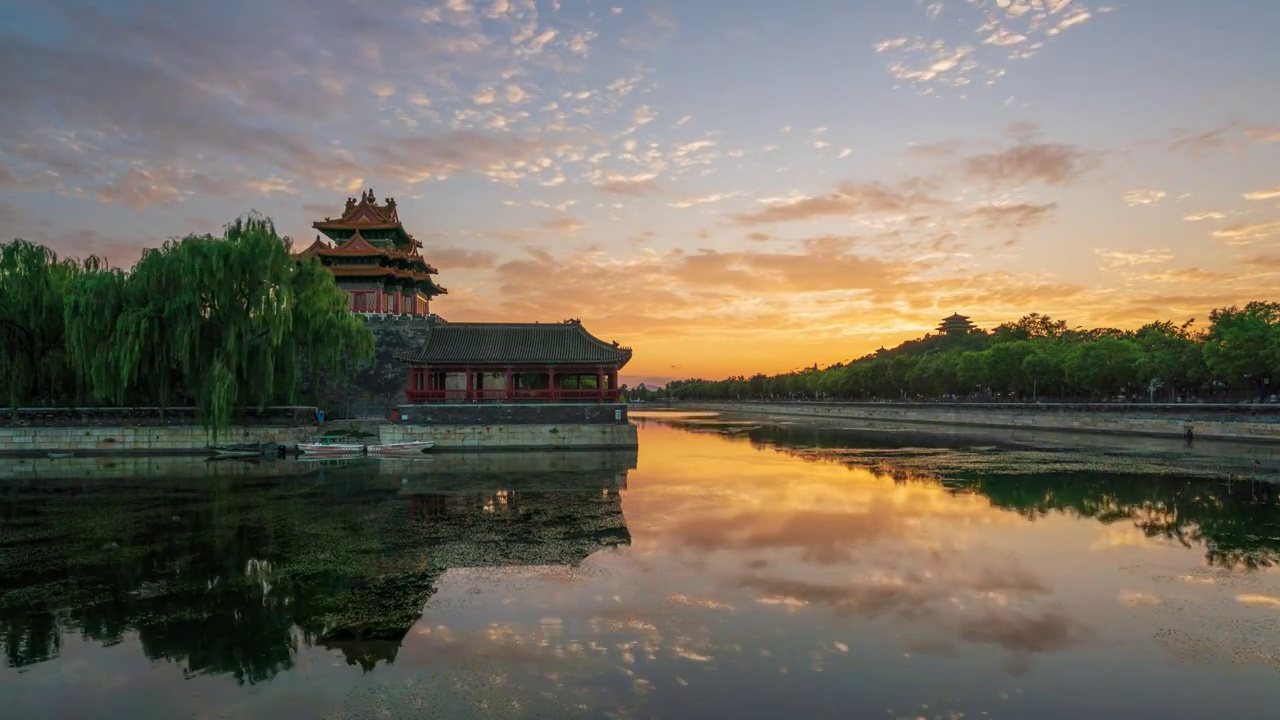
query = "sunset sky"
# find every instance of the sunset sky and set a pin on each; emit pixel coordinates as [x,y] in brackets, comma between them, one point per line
[726,186]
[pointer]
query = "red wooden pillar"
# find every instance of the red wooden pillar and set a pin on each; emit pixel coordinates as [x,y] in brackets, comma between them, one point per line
[511,389]
[599,385]
[551,384]
[466,395]
[613,384]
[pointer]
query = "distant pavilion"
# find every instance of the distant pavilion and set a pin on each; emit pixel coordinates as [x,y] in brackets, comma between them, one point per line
[513,362]
[956,324]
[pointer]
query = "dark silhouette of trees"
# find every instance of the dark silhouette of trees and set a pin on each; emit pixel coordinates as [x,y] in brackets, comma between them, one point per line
[1037,358]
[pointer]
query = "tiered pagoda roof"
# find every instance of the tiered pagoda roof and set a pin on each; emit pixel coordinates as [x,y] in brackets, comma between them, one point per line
[370,243]
[565,343]
[378,224]
[956,323]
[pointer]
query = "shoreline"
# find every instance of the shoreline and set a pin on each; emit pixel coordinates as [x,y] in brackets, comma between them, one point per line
[1245,424]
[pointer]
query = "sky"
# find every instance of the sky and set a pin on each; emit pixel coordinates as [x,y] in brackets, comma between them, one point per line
[728,187]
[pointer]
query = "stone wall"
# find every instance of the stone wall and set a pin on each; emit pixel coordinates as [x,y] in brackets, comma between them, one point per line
[99,440]
[514,437]
[546,469]
[514,414]
[1206,424]
[378,386]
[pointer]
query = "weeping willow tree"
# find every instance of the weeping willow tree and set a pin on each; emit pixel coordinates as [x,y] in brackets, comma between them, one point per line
[221,323]
[34,365]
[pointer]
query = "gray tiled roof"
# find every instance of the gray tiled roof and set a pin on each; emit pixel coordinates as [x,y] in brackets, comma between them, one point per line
[509,343]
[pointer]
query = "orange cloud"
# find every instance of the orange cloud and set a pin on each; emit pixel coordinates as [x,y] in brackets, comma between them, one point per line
[1263,133]
[848,199]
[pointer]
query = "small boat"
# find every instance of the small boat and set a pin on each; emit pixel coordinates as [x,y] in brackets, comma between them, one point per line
[330,448]
[404,448]
[234,453]
[60,455]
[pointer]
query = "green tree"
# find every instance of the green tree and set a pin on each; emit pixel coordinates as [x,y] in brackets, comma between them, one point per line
[1241,344]
[225,322]
[1103,367]
[33,288]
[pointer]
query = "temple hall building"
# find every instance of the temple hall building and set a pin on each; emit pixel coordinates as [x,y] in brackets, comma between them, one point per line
[513,362]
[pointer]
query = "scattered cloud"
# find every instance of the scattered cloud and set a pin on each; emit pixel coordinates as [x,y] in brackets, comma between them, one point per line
[1248,233]
[636,185]
[568,226]
[992,33]
[1136,198]
[847,200]
[704,199]
[1119,259]
[1197,145]
[1268,194]
[1017,216]
[455,258]
[1263,133]
[1049,163]
[1210,215]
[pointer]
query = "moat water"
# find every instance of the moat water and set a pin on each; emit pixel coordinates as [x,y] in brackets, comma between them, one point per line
[730,569]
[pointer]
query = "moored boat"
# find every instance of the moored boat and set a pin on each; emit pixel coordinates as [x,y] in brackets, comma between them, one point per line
[330,448]
[404,448]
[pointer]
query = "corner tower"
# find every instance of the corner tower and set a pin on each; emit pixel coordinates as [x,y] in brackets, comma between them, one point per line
[375,260]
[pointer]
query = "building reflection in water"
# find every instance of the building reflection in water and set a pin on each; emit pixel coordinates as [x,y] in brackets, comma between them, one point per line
[234,575]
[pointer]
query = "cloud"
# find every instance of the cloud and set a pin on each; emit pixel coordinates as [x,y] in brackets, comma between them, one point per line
[1118,259]
[1049,163]
[998,32]
[1018,216]
[848,200]
[704,199]
[1210,215]
[1263,133]
[1268,194]
[419,158]
[1249,233]
[639,185]
[455,258]
[939,149]
[1135,198]
[568,226]
[1197,145]
[300,115]
[140,187]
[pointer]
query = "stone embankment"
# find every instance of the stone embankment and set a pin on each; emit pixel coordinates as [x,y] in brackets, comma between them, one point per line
[41,440]
[1237,423]
[514,437]
[137,440]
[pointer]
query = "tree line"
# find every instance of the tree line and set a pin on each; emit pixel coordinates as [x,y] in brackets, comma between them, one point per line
[218,323]
[1236,357]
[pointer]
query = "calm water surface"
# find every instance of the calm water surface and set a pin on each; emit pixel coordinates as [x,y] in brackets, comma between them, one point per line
[736,571]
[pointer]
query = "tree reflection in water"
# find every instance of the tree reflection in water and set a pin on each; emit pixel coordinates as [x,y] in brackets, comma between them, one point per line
[1235,519]
[234,575]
